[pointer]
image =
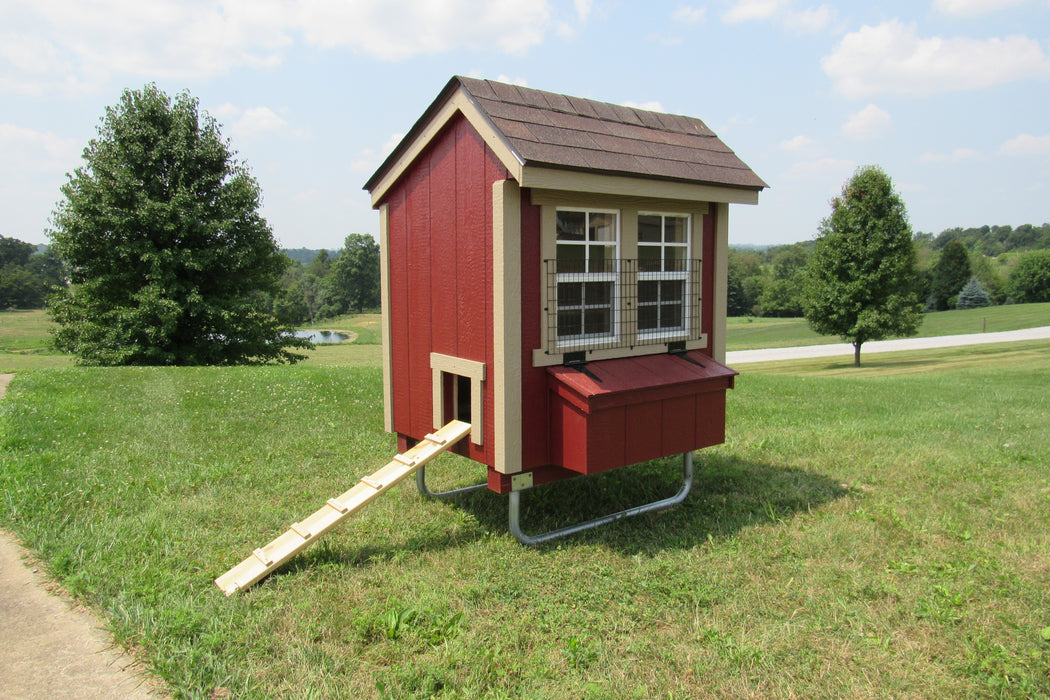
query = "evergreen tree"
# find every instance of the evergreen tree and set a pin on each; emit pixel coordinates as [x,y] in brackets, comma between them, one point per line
[860,281]
[973,295]
[950,274]
[171,262]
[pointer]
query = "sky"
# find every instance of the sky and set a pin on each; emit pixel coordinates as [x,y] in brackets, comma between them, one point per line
[950,97]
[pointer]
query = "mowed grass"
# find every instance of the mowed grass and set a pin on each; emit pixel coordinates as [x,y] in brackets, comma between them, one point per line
[866,535]
[745,333]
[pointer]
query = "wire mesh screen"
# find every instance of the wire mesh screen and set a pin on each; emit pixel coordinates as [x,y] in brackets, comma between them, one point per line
[611,303]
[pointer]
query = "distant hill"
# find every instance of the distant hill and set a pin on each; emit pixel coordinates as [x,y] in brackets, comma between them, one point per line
[305,256]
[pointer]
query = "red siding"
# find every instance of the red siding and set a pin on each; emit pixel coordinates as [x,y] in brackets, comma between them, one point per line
[440,243]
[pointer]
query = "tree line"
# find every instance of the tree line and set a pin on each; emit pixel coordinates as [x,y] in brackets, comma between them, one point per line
[998,264]
[329,285]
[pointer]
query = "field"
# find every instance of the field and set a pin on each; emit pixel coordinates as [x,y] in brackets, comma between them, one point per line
[881,532]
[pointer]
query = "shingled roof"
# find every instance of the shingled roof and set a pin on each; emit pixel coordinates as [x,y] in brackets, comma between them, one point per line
[549,130]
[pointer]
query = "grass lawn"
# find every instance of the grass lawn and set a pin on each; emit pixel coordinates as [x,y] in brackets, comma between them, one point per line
[873,533]
[745,333]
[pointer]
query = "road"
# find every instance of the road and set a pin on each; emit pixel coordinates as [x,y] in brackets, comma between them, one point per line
[739,357]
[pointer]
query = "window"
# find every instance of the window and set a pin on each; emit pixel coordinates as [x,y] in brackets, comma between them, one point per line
[663,270]
[587,243]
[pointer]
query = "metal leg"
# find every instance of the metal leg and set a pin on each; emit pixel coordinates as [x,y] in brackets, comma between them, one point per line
[515,510]
[421,484]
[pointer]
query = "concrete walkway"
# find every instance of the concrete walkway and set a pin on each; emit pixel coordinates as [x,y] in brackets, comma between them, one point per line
[51,648]
[739,357]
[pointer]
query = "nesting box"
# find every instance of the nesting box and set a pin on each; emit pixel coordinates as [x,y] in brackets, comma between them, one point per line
[554,273]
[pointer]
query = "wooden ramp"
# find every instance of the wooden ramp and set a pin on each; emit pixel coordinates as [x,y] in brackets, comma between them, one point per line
[303,534]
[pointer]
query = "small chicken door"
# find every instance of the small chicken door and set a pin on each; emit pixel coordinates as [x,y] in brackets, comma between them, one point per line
[458,394]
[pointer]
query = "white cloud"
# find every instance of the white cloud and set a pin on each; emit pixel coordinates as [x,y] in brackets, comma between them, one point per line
[811,21]
[972,8]
[651,106]
[259,120]
[797,144]
[1026,145]
[892,59]
[750,10]
[689,15]
[77,47]
[370,158]
[868,123]
[583,9]
[806,21]
[822,167]
[957,156]
[399,29]
[512,81]
[37,151]
[249,123]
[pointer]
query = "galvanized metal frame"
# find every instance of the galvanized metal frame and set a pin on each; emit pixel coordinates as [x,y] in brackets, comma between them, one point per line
[421,484]
[515,510]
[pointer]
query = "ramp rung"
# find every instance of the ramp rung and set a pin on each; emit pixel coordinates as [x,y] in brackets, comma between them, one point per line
[302,534]
[374,483]
[338,505]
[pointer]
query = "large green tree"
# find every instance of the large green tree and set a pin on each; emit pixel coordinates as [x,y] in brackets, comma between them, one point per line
[171,262]
[353,283]
[860,281]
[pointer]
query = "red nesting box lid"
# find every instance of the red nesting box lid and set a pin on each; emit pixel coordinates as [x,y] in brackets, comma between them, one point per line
[630,380]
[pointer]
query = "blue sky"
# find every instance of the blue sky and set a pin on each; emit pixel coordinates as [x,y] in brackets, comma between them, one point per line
[950,97]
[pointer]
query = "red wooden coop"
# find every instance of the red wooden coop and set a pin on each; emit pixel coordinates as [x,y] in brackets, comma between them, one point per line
[554,274]
[554,297]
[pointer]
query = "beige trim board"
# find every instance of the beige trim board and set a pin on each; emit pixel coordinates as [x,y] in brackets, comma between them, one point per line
[384,300]
[506,325]
[458,103]
[473,370]
[542,359]
[721,291]
[623,185]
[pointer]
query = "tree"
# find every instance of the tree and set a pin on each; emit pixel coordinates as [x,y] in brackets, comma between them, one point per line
[353,283]
[1030,279]
[950,273]
[860,281]
[171,262]
[973,296]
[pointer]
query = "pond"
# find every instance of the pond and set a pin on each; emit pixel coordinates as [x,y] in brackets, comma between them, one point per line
[321,337]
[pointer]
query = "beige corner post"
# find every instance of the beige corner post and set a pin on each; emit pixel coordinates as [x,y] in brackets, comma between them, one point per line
[506,325]
[718,346]
[384,302]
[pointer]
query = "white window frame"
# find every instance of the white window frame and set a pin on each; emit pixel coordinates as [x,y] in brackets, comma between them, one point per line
[683,330]
[586,340]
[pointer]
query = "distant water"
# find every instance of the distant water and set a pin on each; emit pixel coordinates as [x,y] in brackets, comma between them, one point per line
[321,337]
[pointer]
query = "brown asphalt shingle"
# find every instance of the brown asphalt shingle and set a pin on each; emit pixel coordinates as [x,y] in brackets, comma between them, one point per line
[561,131]
[545,129]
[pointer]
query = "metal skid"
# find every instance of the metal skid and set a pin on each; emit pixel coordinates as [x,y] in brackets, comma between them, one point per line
[421,484]
[515,510]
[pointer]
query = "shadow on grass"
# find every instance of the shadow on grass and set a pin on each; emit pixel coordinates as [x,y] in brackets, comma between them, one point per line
[728,495]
